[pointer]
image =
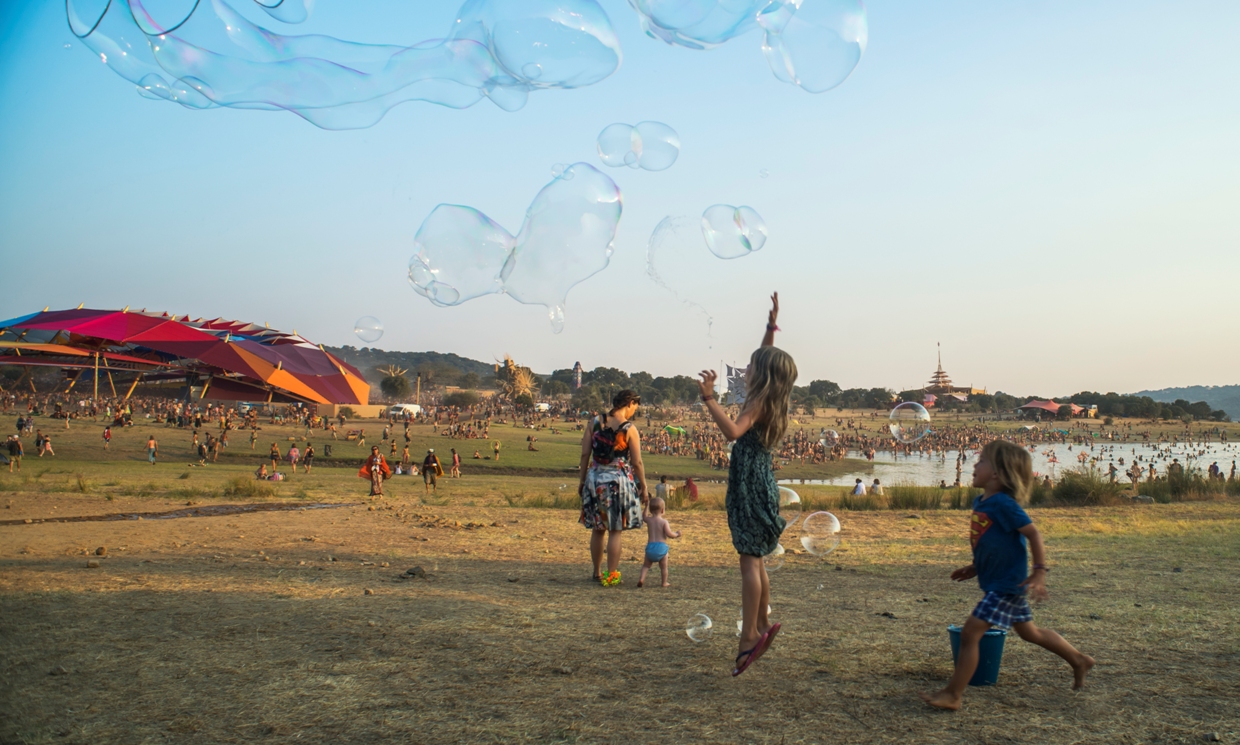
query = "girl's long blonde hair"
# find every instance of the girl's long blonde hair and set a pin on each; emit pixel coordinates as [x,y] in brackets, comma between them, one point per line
[768,393]
[1012,466]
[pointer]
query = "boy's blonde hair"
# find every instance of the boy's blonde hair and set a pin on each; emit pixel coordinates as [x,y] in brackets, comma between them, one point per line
[1012,466]
[657,505]
[768,393]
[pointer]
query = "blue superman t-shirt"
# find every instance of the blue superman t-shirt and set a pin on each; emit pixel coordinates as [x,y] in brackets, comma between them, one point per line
[998,545]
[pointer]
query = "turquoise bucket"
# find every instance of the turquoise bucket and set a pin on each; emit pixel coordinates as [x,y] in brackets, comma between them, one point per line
[990,655]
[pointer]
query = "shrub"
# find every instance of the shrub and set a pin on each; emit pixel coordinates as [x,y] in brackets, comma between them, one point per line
[962,498]
[346,412]
[909,497]
[461,399]
[859,503]
[245,486]
[1086,486]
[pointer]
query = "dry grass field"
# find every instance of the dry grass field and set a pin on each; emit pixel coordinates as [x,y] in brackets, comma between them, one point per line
[303,626]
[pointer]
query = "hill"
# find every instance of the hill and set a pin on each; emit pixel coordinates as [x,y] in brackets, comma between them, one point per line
[436,368]
[1225,397]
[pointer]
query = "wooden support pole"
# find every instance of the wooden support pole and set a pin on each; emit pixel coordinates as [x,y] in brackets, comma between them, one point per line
[75,380]
[135,385]
[108,370]
[96,394]
[205,386]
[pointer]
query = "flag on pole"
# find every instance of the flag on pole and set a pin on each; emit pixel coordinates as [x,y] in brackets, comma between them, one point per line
[736,385]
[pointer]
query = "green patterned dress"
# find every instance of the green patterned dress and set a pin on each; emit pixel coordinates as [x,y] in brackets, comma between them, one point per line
[753,498]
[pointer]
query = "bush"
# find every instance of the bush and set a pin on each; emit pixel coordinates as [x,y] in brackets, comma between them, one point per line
[1086,486]
[962,498]
[1189,485]
[858,503]
[908,497]
[246,486]
[346,412]
[461,399]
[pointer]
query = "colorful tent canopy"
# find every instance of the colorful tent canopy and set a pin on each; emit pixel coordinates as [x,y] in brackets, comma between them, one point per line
[1051,406]
[231,360]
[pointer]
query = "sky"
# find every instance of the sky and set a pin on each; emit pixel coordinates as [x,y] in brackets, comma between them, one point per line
[1048,189]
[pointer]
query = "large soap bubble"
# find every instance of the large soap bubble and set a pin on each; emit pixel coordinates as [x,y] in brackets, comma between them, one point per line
[204,55]
[368,329]
[789,506]
[670,234]
[814,44]
[653,146]
[909,422]
[567,237]
[699,627]
[820,533]
[775,559]
[732,232]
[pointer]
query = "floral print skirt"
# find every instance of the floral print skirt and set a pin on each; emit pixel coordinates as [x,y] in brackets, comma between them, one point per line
[609,500]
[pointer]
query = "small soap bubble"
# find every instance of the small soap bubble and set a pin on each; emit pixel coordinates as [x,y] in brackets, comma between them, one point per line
[532,71]
[699,627]
[789,506]
[763,173]
[68,46]
[909,422]
[740,619]
[368,329]
[820,533]
[732,232]
[560,170]
[652,146]
[775,559]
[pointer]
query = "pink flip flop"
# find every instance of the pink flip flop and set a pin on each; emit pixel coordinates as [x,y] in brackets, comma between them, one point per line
[751,656]
[769,640]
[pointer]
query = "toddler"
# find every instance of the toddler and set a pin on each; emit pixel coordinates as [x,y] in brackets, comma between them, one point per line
[657,528]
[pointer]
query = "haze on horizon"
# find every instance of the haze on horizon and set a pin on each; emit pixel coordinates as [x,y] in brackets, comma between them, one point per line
[1048,189]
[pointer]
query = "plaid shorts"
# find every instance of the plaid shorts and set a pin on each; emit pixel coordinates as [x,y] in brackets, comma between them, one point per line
[1003,610]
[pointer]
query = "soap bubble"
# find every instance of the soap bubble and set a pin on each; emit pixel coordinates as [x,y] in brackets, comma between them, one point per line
[775,559]
[698,627]
[732,232]
[830,439]
[566,238]
[814,44]
[763,173]
[820,533]
[909,422]
[496,49]
[368,329]
[789,506]
[653,146]
[670,234]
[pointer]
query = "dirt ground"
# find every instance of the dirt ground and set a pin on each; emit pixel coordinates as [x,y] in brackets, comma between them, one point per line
[303,626]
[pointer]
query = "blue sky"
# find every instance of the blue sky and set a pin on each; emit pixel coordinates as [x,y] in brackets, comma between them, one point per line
[1049,189]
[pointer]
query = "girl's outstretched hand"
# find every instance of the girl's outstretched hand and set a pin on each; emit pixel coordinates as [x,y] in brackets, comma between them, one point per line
[707,383]
[770,318]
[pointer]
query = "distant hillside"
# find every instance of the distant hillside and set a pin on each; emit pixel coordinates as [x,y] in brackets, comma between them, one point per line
[1225,397]
[436,368]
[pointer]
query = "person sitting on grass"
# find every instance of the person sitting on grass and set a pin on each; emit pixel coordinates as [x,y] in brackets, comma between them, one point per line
[1000,530]
[657,529]
[261,473]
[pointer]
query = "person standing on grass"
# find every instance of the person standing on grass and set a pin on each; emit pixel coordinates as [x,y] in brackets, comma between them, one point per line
[456,464]
[376,469]
[753,496]
[611,483]
[152,449]
[253,436]
[15,453]
[293,456]
[1000,532]
[274,455]
[107,437]
[430,471]
[495,448]
[308,459]
[47,447]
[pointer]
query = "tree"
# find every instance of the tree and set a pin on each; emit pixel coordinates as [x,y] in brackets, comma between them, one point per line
[394,384]
[554,387]
[461,399]
[1065,411]
[469,380]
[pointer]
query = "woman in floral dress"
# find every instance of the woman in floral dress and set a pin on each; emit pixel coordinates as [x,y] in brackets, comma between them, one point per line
[612,483]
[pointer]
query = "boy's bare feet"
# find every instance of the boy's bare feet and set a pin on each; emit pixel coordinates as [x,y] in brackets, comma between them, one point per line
[941,700]
[667,584]
[641,583]
[1080,670]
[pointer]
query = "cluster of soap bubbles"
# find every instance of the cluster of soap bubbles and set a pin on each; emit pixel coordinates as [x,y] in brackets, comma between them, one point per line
[814,44]
[368,329]
[566,237]
[203,55]
[909,422]
[652,146]
[732,232]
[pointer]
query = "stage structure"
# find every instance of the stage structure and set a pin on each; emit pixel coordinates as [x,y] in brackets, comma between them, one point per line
[201,359]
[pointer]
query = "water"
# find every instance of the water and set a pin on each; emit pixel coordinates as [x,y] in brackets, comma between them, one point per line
[1048,459]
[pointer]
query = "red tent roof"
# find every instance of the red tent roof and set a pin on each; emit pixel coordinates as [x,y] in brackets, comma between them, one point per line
[1051,406]
[240,356]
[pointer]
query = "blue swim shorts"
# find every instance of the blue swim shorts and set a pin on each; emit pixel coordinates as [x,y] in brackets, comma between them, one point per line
[1003,610]
[656,552]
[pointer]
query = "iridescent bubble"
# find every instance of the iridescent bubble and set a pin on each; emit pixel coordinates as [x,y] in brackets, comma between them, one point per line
[699,627]
[653,146]
[496,49]
[775,559]
[567,237]
[814,44]
[763,173]
[909,422]
[789,506]
[732,232]
[368,329]
[829,439]
[820,533]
